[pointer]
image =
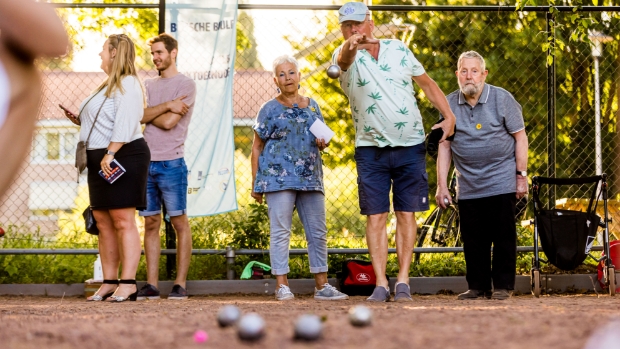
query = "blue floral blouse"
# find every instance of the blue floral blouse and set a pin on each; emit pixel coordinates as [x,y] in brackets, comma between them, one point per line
[291,158]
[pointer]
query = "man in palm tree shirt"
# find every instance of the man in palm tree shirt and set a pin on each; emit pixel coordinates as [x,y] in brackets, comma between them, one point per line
[377,77]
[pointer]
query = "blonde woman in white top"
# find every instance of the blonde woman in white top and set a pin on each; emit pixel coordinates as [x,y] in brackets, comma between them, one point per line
[115,110]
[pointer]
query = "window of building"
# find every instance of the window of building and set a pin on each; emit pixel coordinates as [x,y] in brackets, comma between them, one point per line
[55,145]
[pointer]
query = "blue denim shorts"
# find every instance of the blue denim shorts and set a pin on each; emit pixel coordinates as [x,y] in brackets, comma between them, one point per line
[167,184]
[401,169]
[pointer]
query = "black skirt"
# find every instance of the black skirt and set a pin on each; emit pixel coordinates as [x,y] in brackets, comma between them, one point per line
[127,191]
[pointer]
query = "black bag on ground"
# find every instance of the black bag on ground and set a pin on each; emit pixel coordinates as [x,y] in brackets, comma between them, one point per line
[566,236]
[357,277]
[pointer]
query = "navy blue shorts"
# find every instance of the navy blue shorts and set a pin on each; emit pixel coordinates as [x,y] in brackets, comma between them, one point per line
[402,169]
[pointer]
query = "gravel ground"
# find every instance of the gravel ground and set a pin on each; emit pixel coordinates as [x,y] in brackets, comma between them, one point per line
[437,321]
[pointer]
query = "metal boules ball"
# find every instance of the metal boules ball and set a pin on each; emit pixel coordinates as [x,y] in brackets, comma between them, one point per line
[360,316]
[308,327]
[333,71]
[228,315]
[251,327]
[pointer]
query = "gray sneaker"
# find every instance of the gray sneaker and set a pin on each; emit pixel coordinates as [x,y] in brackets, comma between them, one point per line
[402,293]
[501,294]
[284,293]
[380,294]
[329,293]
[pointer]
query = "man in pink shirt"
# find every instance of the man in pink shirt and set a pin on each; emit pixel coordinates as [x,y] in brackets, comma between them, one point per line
[170,104]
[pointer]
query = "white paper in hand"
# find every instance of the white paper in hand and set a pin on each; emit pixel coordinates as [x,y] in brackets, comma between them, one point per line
[321,131]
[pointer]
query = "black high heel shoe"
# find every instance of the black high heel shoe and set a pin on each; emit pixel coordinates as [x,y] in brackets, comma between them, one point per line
[97,298]
[132,297]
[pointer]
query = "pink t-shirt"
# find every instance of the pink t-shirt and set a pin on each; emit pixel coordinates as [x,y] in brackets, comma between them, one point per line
[169,144]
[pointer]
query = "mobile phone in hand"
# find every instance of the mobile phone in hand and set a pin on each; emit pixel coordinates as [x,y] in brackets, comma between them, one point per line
[67,110]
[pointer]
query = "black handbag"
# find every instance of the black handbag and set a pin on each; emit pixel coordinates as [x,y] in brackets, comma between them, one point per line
[89,221]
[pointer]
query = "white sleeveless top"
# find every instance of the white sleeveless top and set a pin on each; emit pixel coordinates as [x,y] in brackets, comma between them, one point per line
[5,94]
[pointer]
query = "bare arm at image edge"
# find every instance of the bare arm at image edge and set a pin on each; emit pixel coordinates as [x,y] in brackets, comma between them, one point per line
[16,19]
[16,23]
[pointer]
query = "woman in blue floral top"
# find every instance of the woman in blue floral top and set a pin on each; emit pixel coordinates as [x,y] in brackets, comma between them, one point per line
[287,169]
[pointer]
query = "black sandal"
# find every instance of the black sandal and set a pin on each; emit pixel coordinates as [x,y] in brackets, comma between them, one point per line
[132,297]
[98,298]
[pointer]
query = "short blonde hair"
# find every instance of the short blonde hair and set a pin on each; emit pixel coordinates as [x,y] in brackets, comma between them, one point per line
[471,54]
[284,59]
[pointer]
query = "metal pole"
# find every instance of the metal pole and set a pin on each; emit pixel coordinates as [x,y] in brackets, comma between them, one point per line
[230,263]
[597,120]
[162,16]
[551,110]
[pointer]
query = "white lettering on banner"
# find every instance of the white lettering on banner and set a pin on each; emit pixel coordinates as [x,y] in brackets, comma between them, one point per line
[207,75]
[207,48]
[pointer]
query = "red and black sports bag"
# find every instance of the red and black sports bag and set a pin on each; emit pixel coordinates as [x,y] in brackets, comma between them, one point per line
[357,277]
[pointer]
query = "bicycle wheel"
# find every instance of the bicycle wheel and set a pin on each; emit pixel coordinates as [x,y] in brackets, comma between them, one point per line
[441,229]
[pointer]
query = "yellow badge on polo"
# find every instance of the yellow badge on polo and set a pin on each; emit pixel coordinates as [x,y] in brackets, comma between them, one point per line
[478,126]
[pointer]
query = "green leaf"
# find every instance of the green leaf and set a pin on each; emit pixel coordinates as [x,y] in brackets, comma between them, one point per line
[371,109]
[380,138]
[399,125]
[361,83]
[403,62]
[385,67]
[403,111]
[367,128]
[549,60]
[376,96]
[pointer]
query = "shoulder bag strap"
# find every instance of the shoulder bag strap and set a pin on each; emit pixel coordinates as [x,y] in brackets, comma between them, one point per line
[96,116]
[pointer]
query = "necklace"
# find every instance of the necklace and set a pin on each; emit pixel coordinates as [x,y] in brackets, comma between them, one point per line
[299,100]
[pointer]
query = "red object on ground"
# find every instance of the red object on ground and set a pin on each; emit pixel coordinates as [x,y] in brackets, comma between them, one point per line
[1,232]
[614,252]
[360,274]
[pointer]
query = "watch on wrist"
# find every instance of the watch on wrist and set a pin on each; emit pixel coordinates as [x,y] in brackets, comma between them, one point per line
[522,173]
[109,152]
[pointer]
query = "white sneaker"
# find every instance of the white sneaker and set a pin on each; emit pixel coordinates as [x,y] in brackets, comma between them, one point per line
[329,293]
[284,293]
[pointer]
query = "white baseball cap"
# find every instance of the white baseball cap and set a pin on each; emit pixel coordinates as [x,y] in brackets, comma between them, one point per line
[353,11]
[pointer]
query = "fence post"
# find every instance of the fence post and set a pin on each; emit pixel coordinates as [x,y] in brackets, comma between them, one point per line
[551,124]
[162,16]
[230,262]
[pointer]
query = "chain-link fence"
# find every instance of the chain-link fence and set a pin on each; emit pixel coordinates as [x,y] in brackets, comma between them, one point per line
[47,197]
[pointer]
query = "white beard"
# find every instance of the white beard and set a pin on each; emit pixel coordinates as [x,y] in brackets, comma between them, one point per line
[470,90]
